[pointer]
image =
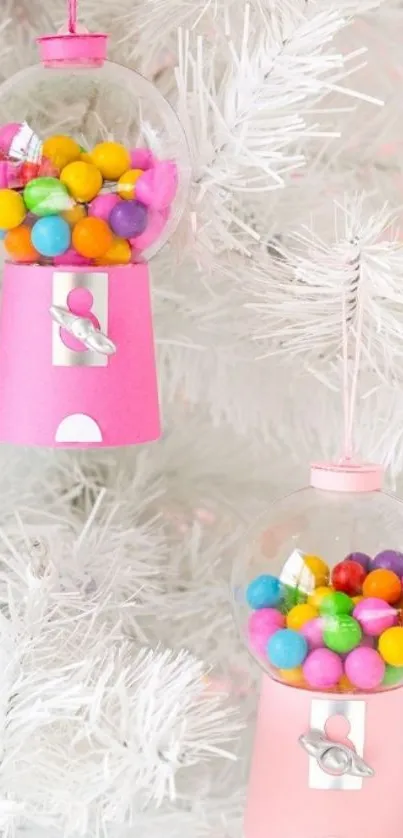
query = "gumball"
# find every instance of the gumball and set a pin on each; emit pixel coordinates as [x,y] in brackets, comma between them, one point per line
[141,158]
[12,209]
[393,676]
[357,599]
[317,596]
[112,159]
[364,668]
[156,222]
[102,206]
[299,615]
[156,188]
[382,584]
[128,219]
[286,649]
[318,568]
[127,184]
[341,633]
[3,234]
[348,576]
[313,632]
[7,134]
[70,257]
[293,677]
[119,253]
[261,625]
[264,592]
[74,215]
[390,646]
[336,603]
[322,669]
[46,196]
[291,597]
[92,237]
[389,560]
[345,685]
[51,236]
[375,615]
[83,180]
[61,150]
[362,558]
[19,245]
[29,171]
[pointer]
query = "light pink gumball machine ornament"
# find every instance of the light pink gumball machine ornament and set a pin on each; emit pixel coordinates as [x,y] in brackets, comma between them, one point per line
[94,175]
[329,738]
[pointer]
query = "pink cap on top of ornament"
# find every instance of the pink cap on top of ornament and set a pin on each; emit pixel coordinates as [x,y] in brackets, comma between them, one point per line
[347,477]
[73,48]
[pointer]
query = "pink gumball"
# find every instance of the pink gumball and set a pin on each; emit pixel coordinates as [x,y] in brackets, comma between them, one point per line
[365,668]
[102,205]
[141,158]
[156,222]
[313,633]
[375,615]
[261,625]
[71,257]
[7,134]
[322,669]
[157,187]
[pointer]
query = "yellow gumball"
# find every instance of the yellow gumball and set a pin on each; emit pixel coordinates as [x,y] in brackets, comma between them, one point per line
[317,596]
[357,599]
[75,214]
[294,677]
[112,160]
[119,253]
[61,150]
[318,568]
[12,209]
[299,615]
[83,180]
[126,184]
[345,686]
[390,646]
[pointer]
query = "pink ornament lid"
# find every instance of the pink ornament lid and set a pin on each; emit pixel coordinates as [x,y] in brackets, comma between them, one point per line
[84,49]
[347,476]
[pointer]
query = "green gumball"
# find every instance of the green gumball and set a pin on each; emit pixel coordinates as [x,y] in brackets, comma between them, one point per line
[336,603]
[341,633]
[47,196]
[393,676]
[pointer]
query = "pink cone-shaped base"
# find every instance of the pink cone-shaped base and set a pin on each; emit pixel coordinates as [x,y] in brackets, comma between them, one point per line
[47,405]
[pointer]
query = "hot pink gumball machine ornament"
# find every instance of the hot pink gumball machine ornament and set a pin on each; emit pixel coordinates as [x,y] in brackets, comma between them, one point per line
[329,737]
[94,178]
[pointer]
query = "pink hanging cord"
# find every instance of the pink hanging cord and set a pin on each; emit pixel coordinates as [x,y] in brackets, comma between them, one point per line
[72,24]
[350,389]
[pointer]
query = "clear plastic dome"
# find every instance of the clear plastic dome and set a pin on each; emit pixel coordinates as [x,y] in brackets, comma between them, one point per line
[317,591]
[94,166]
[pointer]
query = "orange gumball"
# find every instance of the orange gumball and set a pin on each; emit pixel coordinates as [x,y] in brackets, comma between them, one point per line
[92,237]
[383,584]
[19,245]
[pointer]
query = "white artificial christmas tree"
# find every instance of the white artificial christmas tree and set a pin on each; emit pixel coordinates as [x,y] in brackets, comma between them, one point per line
[127,699]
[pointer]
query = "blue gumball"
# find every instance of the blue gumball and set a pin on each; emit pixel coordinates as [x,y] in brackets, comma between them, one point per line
[3,234]
[264,592]
[51,236]
[287,649]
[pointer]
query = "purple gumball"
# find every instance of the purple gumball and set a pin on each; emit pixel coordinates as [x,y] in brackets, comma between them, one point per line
[389,560]
[361,558]
[128,219]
